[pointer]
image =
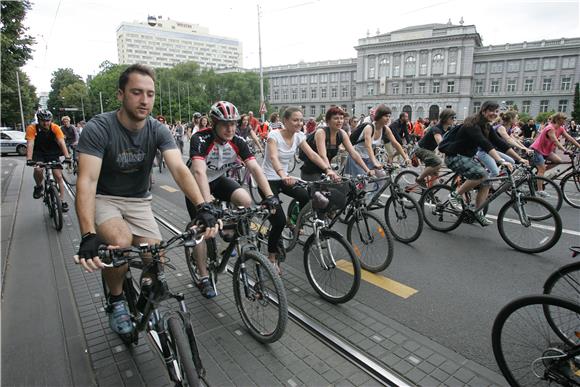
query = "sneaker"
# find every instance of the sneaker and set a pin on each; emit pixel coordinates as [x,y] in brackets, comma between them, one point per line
[543,194]
[455,201]
[206,288]
[119,318]
[37,194]
[64,207]
[480,217]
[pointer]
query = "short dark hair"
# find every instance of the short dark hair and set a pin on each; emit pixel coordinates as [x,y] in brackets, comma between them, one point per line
[381,111]
[402,115]
[135,68]
[488,105]
[333,111]
[446,114]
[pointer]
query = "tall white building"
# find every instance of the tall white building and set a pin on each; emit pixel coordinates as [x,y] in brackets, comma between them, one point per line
[165,43]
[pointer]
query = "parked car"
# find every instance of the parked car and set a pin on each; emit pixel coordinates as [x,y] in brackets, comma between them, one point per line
[3,128]
[12,141]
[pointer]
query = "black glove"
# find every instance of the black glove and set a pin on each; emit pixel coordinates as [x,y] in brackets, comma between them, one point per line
[206,215]
[271,202]
[89,247]
[67,160]
[30,163]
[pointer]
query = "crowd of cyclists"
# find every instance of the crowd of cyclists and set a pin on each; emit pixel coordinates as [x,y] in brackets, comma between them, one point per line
[117,150]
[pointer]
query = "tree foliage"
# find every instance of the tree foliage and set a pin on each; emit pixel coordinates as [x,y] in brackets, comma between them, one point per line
[545,116]
[15,46]
[576,104]
[61,78]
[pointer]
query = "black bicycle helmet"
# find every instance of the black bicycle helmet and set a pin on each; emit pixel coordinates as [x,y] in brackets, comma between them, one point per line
[224,111]
[44,115]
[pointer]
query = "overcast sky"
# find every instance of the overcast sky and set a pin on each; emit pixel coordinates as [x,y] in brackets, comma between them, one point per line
[81,34]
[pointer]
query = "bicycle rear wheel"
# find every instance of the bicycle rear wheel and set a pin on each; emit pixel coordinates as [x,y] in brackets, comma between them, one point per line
[55,206]
[404,217]
[570,186]
[182,352]
[437,211]
[525,347]
[370,241]
[260,297]
[530,226]
[332,267]
[553,192]
[564,283]
[407,181]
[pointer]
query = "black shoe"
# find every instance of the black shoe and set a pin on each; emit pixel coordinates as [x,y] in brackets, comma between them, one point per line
[64,207]
[206,288]
[37,194]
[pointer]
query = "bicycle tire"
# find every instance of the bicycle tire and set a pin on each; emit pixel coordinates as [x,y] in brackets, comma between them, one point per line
[55,206]
[570,186]
[504,223]
[365,257]
[501,335]
[404,207]
[406,180]
[556,197]
[182,352]
[254,192]
[435,206]
[352,268]
[260,299]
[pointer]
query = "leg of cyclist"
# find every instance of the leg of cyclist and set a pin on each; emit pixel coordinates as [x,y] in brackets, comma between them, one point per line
[432,164]
[58,177]
[38,175]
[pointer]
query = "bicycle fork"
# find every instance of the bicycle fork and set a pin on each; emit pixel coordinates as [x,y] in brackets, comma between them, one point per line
[326,261]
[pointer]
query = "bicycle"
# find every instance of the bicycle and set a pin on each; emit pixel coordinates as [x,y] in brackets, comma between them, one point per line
[171,332]
[258,290]
[242,175]
[525,212]
[565,282]
[332,268]
[52,193]
[570,180]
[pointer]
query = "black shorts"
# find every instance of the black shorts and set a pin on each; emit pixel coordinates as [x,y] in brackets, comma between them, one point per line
[221,188]
[40,157]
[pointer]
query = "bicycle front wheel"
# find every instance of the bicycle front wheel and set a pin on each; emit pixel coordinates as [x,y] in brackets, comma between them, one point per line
[404,217]
[552,192]
[55,207]
[437,210]
[331,266]
[570,185]
[182,352]
[407,181]
[525,347]
[370,241]
[564,283]
[253,188]
[529,224]
[260,297]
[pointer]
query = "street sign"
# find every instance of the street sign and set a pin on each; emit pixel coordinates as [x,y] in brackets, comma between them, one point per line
[263,108]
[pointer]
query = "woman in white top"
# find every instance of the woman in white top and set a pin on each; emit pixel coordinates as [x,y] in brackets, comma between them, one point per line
[373,135]
[280,149]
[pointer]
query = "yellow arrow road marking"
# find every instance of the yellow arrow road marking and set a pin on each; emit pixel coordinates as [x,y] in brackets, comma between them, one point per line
[168,188]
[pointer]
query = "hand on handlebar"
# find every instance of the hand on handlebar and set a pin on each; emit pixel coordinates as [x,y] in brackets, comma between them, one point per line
[30,163]
[505,164]
[208,217]
[88,254]
[288,180]
[333,175]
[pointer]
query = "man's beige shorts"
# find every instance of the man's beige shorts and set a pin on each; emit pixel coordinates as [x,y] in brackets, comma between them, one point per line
[136,212]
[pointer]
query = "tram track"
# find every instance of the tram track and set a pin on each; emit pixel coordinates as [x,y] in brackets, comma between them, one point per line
[339,345]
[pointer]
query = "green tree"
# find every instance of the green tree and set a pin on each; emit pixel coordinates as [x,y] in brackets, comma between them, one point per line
[61,78]
[75,95]
[15,51]
[576,103]
[544,117]
[105,85]
[524,117]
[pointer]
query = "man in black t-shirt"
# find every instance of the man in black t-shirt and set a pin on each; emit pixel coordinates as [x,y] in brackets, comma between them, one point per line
[529,129]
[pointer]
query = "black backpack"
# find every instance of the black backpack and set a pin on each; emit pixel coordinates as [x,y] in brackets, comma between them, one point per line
[355,134]
[449,139]
[312,142]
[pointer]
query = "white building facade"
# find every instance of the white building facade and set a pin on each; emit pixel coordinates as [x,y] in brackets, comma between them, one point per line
[165,43]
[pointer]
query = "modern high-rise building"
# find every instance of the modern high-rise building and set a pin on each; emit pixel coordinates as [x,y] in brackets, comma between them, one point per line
[165,43]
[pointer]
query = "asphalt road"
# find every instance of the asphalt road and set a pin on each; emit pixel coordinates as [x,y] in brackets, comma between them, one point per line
[463,278]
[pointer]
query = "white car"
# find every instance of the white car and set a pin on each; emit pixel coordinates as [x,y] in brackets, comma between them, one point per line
[12,141]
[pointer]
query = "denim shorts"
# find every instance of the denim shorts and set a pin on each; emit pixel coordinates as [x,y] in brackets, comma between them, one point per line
[538,158]
[466,167]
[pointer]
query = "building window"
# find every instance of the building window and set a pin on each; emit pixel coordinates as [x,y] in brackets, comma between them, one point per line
[333,92]
[284,81]
[526,106]
[304,79]
[549,63]
[478,87]
[322,109]
[396,70]
[333,77]
[422,88]
[513,66]
[436,87]
[511,86]
[544,106]
[344,92]
[423,63]
[563,105]
[370,89]
[371,67]
[303,93]
[323,78]
[547,85]
[313,93]
[323,92]
[276,95]
[476,107]
[566,83]
[408,88]
[451,86]
[452,62]
[568,62]
[529,85]
[285,94]
[384,65]
[437,65]
[496,68]
[294,80]
[395,88]
[531,65]
[312,110]
[480,68]
[353,92]
[344,77]
[494,87]
[410,63]
[314,78]
[294,94]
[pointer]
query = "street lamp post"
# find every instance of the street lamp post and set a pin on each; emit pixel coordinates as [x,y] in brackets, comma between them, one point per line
[262,103]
